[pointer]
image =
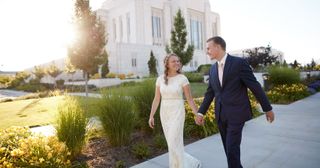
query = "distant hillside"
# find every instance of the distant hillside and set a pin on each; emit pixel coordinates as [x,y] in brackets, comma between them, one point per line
[8,73]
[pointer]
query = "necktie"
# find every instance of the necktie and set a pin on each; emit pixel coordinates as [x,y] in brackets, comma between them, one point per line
[220,73]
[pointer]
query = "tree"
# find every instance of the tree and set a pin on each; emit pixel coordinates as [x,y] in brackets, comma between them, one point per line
[295,64]
[69,68]
[284,64]
[105,67]
[178,40]
[19,79]
[39,72]
[87,51]
[53,71]
[313,64]
[260,56]
[152,64]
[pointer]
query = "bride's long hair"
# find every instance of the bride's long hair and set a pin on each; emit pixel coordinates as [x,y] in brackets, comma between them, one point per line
[166,66]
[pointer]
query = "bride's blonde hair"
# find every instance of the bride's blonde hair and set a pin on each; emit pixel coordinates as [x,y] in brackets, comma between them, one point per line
[166,66]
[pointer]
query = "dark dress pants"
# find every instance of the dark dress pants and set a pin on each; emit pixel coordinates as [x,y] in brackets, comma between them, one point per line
[231,134]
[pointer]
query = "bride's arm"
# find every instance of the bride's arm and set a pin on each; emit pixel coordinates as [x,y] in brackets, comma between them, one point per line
[155,104]
[187,94]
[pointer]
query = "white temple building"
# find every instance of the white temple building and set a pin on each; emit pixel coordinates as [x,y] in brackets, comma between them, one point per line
[135,27]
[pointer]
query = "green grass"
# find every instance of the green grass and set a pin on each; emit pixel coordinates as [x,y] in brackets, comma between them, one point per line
[43,111]
[29,112]
[89,105]
[198,89]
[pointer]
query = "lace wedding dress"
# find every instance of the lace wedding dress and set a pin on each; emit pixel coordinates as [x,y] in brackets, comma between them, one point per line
[172,115]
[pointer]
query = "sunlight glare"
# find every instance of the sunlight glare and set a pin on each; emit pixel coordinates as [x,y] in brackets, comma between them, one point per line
[34,32]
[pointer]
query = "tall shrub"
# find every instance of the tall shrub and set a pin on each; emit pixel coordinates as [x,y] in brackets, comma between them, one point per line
[71,125]
[143,97]
[152,64]
[283,75]
[194,77]
[117,116]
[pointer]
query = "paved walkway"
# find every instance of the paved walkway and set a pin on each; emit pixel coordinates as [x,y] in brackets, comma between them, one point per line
[292,141]
[12,94]
[96,95]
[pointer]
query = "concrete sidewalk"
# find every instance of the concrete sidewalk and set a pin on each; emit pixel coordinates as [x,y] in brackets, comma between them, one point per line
[291,141]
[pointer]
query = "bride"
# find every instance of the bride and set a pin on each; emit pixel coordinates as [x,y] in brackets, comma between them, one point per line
[170,87]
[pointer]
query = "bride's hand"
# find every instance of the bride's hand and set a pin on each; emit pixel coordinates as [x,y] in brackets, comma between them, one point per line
[151,122]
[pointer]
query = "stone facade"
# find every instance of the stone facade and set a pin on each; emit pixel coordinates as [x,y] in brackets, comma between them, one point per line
[135,27]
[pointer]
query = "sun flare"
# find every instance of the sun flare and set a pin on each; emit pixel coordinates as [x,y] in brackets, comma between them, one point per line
[34,32]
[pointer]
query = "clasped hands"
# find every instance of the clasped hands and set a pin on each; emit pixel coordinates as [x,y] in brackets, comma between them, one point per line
[199,119]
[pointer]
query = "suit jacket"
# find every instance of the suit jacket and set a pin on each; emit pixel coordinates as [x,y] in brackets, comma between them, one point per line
[231,100]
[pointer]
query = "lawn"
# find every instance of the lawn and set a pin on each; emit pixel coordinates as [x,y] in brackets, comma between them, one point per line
[33,112]
[198,89]
[30,112]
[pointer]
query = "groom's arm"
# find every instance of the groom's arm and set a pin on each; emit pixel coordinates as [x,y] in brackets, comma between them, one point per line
[248,78]
[208,97]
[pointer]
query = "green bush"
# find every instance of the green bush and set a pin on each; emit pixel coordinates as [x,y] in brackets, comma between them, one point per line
[5,79]
[117,116]
[79,88]
[31,87]
[34,81]
[204,69]
[15,82]
[120,164]
[71,125]
[142,99]
[283,75]
[129,83]
[111,75]
[194,77]
[60,82]
[141,150]
[160,141]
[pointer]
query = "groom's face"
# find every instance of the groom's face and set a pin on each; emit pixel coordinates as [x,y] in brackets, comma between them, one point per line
[212,50]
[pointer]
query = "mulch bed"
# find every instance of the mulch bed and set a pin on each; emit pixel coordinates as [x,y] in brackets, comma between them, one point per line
[98,153]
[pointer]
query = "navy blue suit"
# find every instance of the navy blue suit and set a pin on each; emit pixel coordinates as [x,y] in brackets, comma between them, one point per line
[232,105]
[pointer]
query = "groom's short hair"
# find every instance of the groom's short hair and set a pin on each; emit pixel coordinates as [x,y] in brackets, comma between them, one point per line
[218,40]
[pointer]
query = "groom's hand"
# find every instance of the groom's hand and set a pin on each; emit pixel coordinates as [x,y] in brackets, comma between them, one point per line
[270,116]
[199,119]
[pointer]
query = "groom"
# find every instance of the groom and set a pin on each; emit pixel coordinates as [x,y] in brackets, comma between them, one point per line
[229,80]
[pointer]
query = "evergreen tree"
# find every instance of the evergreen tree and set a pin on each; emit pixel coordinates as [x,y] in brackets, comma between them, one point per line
[295,64]
[178,40]
[105,67]
[284,64]
[87,52]
[312,64]
[152,64]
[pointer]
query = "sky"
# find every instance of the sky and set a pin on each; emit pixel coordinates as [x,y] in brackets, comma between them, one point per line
[38,31]
[33,32]
[291,26]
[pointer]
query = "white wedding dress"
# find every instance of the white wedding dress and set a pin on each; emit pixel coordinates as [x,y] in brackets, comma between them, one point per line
[172,115]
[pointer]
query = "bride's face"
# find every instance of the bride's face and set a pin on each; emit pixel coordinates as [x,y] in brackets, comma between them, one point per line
[174,63]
